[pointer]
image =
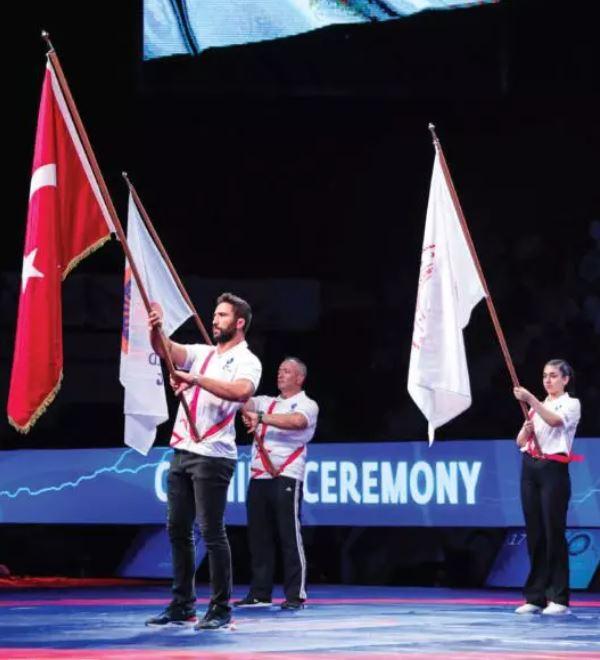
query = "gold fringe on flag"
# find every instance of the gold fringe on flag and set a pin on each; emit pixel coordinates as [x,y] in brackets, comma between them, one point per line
[79,258]
[39,411]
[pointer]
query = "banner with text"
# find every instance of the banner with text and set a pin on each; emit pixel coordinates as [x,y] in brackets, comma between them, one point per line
[453,484]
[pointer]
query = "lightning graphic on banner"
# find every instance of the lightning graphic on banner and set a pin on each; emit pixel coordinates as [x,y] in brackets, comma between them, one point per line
[586,495]
[116,468]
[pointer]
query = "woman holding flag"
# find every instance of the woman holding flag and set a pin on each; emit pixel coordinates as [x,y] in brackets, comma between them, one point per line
[546,488]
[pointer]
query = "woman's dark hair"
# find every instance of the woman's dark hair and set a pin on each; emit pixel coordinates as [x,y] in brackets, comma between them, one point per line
[566,370]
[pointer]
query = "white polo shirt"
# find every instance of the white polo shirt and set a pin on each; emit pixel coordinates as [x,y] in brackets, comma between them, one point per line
[215,417]
[558,439]
[284,445]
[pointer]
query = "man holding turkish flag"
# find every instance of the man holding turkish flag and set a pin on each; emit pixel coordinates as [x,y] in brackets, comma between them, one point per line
[67,220]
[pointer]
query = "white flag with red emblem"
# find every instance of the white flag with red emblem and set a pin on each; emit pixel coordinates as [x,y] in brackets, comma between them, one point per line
[67,220]
[141,373]
[449,289]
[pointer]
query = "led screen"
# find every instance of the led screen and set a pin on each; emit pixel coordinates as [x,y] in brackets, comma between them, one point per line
[187,27]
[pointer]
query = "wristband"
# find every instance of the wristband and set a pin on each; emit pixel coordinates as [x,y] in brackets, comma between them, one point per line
[260,418]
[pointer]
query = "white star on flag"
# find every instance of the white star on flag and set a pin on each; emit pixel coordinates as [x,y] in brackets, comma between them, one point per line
[29,270]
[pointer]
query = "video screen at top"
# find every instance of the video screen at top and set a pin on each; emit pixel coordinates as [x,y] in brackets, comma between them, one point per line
[188,27]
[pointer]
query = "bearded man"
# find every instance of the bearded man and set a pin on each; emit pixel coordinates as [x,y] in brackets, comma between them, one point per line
[216,381]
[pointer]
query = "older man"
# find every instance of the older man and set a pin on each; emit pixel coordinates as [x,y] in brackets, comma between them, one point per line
[282,428]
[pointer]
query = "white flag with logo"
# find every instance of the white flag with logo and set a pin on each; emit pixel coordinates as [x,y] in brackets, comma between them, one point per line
[141,373]
[449,288]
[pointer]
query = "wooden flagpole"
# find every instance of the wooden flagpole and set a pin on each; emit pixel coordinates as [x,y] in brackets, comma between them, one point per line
[488,296]
[62,81]
[165,256]
[271,469]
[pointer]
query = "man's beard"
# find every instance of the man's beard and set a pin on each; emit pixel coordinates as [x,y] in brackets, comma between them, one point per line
[225,335]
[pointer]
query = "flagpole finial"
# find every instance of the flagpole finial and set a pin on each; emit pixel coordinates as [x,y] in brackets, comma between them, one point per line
[46,38]
[434,136]
[127,181]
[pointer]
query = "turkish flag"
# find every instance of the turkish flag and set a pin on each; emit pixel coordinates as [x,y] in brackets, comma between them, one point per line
[67,220]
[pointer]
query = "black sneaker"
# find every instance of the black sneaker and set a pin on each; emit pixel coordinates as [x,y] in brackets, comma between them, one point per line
[292,605]
[250,601]
[174,616]
[215,618]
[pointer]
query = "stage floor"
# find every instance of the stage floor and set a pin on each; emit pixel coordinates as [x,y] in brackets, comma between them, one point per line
[347,622]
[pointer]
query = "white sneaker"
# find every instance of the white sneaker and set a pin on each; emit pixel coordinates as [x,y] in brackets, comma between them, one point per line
[556,608]
[528,608]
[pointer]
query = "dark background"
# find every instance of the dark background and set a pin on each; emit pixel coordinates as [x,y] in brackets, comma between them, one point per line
[296,173]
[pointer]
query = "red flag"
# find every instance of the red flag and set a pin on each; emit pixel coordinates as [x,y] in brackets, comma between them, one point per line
[67,220]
